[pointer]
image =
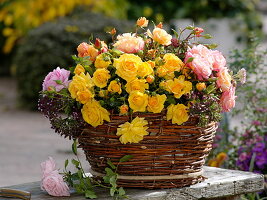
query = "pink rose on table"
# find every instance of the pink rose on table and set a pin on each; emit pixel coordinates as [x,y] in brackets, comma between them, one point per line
[202,63]
[52,181]
[227,100]
[54,184]
[48,166]
[129,43]
[56,80]
[219,60]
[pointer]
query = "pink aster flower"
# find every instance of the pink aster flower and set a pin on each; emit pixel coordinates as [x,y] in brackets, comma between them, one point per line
[129,43]
[56,80]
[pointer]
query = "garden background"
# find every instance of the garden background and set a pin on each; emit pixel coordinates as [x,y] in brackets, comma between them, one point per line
[37,35]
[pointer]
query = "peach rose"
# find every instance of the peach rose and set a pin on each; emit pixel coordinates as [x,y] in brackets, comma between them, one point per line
[129,43]
[224,79]
[227,100]
[85,49]
[219,60]
[142,22]
[160,35]
[202,63]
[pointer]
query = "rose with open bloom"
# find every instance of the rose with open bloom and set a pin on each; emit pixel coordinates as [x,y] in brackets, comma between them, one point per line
[142,22]
[156,103]
[114,87]
[101,77]
[178,86]
[177,113]
[160,35]
[52,181]
[132,132]
[224,79]
[136,84]
[202,63]
[138,101]
[93,113]
[85,49]
[56,80]
[219,60]
[227,100]
[129,43]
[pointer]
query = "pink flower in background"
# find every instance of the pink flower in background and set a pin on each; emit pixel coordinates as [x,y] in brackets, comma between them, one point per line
[56,80]
[224,79]
[202,63]
[227,100]
[129,43]
[198,31]
[52,181]
[219,60]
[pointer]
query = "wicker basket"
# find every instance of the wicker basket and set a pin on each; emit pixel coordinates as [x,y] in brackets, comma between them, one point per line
[171,156]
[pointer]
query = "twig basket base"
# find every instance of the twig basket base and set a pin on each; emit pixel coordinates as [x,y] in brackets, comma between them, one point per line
[171,156]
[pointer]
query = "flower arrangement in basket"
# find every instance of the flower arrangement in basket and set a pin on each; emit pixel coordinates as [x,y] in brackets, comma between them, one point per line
[146,94]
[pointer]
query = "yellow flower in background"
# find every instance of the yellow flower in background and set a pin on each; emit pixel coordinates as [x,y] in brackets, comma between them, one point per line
[114,87]
[127,66]
[80,87]
[142,22]
[145,69]
[177,113]
[124,109]
[218,161]
[101,77]
[160,35]
[102,61]
[156,103]
[138,101]
[133,132]
[136,84]
[94,114]
[178,86]
[79,69]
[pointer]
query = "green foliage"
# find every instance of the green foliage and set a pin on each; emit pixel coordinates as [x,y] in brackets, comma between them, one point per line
[51,45]
[85,185]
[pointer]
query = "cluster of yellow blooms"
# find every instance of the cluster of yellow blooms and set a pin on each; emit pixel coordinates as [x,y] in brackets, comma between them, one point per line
[20,16]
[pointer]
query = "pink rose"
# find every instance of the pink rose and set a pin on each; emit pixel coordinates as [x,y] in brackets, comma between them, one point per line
[48,166]
[52,181]
[224,79]
[227,100]
[57,80]
[202,62]
[129,43]
[198,31]
[54,184]
[219,60]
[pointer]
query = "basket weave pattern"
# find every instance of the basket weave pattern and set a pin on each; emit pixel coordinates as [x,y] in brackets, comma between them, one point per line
[171,156]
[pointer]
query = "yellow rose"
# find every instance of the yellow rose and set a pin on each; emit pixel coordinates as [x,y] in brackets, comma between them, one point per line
[136,84]
[142,22]
[160,35]
[102,61]
[178,86]
[133,132]
[80,87]
[177,113]
[94,114]
[114,87]
[138,101]
[124,109]
[150,79]
[145,69]
[200,86]
[100,77]
[156,103]
[152,63]
[161,71]
[79,69]
[103,93]
[127,66]
[172,62]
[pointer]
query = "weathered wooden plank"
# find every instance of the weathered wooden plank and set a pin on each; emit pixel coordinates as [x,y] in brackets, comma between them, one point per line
[220,184]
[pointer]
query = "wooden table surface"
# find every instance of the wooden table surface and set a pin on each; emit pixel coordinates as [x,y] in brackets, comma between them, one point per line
[220,184]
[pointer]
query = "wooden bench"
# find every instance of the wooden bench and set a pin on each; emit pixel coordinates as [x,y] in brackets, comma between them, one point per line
[221,184]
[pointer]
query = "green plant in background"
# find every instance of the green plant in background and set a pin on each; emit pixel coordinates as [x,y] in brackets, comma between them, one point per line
[51,45]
